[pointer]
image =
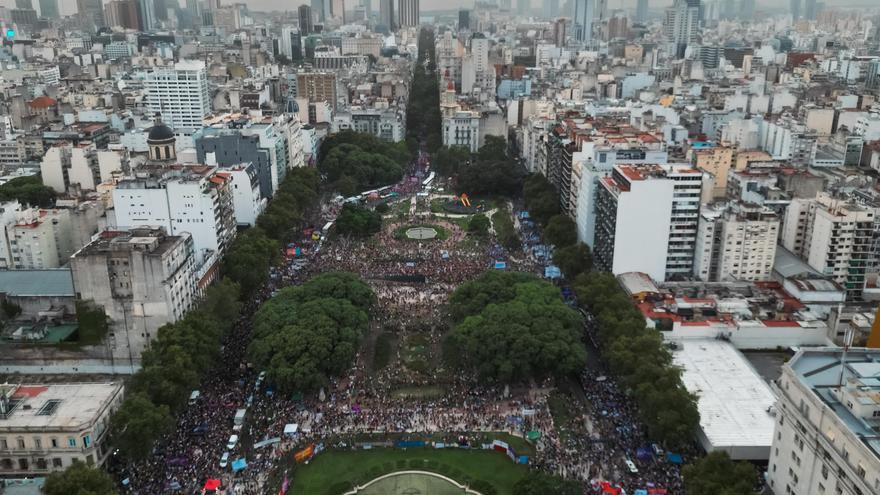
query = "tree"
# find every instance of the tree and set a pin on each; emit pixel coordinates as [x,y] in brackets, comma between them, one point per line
[519,331]
[354,161]
[166,378]
[248,261]
[494,148]
[10,309]
[137,424]
[716,474]
[479,225]
[541,198]
[357,221]
[538,483]
[93,323]
[560,231]
[79,479]
[449,161]
[29,191]
[573,260]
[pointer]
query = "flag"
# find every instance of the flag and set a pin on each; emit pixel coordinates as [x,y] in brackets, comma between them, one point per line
[284,484]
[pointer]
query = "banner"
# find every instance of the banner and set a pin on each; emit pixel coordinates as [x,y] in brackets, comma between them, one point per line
[304,454]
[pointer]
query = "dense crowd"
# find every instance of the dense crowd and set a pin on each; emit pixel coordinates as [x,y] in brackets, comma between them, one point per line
[362,403]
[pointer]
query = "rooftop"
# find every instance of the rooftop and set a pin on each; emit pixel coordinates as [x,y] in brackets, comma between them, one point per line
[47,283]
[56,406]
[734,401]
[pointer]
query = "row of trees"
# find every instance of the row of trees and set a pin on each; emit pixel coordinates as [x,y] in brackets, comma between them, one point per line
[489,171]
[353,162]
[358,221]
[423,108]
[640,360]
[307,334]
[542,202]
[514,326]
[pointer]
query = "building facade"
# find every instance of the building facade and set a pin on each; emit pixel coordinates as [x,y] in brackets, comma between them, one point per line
[179,94]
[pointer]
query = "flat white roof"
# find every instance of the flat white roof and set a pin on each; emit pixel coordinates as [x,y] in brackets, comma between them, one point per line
[733,399]
[50,407]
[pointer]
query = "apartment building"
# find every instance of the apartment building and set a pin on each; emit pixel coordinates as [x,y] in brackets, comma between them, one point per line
[834,236]
[716,161]
[45,428]
[827,424]
[142,278]
[647,218]
[178,198]
[317,87]
[735,242]
[71,169]
[179,94]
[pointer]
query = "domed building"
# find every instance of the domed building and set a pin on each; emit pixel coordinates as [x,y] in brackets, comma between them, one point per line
[161,141]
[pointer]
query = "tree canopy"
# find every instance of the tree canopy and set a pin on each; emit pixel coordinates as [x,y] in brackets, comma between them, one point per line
[479,224]
[515,326]
[423,108]
[29,191]
[541,198]
[573,260]
[717,474]
[561,231]
[353,162]
[642,364]
[307,334]
[137,424]
[358,221]
[449,161]
[490,171]
[79,479]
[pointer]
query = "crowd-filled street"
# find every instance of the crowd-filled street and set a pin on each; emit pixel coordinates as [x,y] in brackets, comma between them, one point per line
[412,280]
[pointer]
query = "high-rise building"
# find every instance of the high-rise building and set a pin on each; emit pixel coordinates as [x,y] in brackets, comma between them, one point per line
[319,10]
[682,24]
[811,9]
[368,8]
[464,19]
[795,9]
[291,43]
[24,4]
[642,11]
[747,10]
[834,237]
[337,8]
[179,94]
[161,9]
[826,423]
[49,9]
[195,10]
[647,218]
[305,20]
[409,13]
[523,7]
[122,13]
[386,14]
[317,87]
[584,16]
[92,11]
[550,9]
[147,15]
[736,242]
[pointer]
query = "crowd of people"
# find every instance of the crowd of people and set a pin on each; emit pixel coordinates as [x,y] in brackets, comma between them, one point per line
[412,281]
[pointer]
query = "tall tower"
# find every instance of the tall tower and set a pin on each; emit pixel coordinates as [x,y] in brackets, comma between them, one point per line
[795,9]
[386,14]
[642,11]
[49,9]
[584,16]
[523,7]
[305,20]
[682,24]
[409,13]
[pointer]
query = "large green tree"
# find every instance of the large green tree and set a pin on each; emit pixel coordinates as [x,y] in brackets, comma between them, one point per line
[449,161]
[541,198]
[717,474]
[573,260]
[353,162]
[519,331]
[561,231]
[358,221]
[137,424]
[29,191]
[79,479]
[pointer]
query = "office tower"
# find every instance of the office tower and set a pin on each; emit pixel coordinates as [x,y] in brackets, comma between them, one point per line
[747,9]
[368,8]
[305,20]
[92,11]
[337,8]
[409,13]
[147,15]
[523,7]
[642,11]
[551,9]
[584,15]
[161,9]
[49,9]
[464,19]
[795,9]
[682,24]
[319,9]
[386,14]
[811,9]
[179,94]
[291,43]
[24,4]
[195,10]
[122,13]
[504,5]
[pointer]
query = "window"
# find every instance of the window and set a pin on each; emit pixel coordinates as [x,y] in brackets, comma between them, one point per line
[3,444]
[38,443]
[54,442]
[20,442]
[71,442]
[56,462]
[23,464]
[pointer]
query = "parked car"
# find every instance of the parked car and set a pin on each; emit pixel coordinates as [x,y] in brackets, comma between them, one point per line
[224,460]
[233,441]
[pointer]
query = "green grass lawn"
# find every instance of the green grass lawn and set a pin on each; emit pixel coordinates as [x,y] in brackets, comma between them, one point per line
[332,473]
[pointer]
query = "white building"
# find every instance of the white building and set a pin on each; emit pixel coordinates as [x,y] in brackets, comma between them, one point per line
[45,428]
[646,220]
[736,242]
[834,237]
[81,167]
[386,124]
[179,94]
[143,279]
[826,437]
[193,199]
[246,197]
[735,403]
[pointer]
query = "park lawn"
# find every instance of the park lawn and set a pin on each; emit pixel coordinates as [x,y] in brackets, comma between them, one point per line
[334,472]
